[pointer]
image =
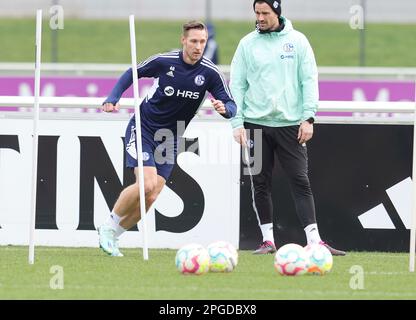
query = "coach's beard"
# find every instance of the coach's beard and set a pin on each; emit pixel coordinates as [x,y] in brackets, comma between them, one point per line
[280,28]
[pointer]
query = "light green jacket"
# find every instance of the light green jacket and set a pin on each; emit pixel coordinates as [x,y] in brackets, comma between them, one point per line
[274,79]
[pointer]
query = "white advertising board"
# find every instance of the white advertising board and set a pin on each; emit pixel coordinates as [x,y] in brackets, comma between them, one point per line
[215,168]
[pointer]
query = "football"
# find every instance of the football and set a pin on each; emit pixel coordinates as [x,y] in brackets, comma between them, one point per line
[223,256]
[291,260]
[192,259]
[320,259]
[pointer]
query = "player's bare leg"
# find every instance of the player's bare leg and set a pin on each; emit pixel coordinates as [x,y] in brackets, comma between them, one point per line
[130,212]
[126,210]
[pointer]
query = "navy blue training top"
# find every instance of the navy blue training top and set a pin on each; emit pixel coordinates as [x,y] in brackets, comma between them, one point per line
[181,89]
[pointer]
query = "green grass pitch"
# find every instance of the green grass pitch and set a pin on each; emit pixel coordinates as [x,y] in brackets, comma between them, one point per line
[90,274]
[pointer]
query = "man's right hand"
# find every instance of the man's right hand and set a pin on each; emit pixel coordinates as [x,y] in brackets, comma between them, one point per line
[109,107]
[240,136]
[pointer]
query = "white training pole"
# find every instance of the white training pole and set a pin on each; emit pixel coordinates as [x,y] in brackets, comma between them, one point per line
[413,217]
[138,136]
[35,137]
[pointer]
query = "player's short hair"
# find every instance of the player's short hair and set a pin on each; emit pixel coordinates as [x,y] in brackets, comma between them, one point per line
[193,24]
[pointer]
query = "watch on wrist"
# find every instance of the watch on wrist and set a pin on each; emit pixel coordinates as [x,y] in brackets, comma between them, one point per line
[311,120]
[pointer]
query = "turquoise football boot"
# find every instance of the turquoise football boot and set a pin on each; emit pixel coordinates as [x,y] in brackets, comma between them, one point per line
[108,241]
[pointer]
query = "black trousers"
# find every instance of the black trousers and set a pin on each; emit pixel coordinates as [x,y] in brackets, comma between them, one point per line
[280,142]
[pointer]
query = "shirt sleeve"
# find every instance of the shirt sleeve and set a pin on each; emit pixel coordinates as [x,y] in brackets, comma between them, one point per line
[147,69]
[308,77]
[238,85]
[221,91]
[123,83]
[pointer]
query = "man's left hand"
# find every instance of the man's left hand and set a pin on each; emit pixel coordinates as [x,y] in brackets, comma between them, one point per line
[305,132]
[219,106]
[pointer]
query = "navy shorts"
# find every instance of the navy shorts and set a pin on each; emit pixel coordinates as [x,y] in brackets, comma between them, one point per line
[159,148]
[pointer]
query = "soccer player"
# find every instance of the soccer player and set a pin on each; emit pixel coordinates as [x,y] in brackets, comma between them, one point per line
[183,78]
[274,81]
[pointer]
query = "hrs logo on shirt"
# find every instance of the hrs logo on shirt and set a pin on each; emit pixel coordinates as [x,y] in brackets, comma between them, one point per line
[170,91]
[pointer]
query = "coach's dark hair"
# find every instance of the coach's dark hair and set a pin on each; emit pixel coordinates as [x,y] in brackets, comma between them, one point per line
[194,24]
